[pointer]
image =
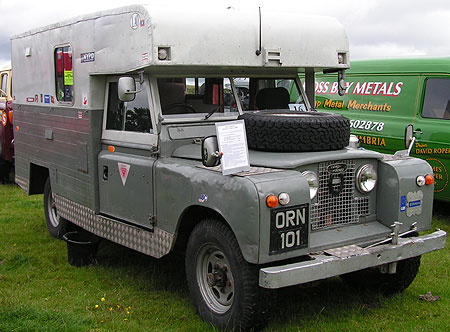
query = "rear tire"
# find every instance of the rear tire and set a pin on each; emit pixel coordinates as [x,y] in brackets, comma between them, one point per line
[223,286]
[56,225]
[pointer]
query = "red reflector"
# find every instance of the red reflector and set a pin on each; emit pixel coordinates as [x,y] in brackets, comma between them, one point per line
[429,179]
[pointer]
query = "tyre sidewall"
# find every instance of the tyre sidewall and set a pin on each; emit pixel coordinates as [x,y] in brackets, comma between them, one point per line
[290,131]
[232,318]
[388,284]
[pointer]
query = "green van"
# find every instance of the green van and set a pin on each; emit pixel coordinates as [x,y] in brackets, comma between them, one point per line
[383,96]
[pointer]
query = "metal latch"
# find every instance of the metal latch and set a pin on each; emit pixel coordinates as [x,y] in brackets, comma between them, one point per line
[391,268]
[272,57]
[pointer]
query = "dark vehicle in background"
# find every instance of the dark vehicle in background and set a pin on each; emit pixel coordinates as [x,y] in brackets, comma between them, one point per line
[6,127]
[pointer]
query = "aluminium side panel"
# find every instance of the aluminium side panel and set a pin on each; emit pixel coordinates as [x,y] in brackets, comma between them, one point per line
[63,137]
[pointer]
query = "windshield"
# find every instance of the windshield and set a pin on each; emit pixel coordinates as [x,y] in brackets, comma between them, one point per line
[217,96]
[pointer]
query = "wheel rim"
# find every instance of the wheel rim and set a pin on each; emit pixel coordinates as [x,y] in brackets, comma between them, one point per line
[51,208]
[215,279]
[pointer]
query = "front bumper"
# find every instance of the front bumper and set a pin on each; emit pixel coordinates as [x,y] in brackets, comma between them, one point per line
[343,260]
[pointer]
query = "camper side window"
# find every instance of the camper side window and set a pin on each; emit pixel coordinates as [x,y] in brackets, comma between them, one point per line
[128,116]
[64,74]
[437,99]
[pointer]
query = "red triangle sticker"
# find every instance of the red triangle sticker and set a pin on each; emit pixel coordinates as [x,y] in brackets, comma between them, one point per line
[124,169]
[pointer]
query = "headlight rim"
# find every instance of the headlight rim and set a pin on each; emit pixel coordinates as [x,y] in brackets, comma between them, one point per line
[359,183]
[312,191]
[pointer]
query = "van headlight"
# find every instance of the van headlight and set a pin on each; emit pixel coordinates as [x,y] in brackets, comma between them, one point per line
[366,178]
[313,182]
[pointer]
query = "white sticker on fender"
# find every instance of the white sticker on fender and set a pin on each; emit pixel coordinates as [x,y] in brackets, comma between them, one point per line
[124,169]
[414,203]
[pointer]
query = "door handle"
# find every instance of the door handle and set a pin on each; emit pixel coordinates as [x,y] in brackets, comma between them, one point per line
[418,131]
[105,173]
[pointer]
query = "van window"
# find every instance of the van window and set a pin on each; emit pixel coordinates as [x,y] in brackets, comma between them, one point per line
[437,99]
[128,116]
[4,85]
[64,74]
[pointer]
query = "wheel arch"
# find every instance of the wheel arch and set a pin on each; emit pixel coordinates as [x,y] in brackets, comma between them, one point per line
[38,177]
[190,217]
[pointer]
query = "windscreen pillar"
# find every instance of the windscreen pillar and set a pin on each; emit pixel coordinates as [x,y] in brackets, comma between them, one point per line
[310,86]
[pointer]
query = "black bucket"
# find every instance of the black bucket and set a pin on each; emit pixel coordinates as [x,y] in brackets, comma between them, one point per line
[81,248]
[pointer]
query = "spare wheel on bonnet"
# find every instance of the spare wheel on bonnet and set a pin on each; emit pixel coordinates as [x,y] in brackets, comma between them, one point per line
[293,131]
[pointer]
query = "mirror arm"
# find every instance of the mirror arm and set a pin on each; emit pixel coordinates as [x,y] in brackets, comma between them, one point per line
[132,92]
[411,145]
[141,81]
[340,80]
[217,154]
[141,77]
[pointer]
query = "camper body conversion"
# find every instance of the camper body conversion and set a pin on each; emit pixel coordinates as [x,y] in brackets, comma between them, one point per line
[117,119]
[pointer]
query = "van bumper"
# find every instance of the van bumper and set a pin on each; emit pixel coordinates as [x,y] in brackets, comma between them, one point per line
[334,262]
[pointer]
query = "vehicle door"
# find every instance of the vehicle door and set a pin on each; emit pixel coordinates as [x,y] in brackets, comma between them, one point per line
[6,128]
[125,163]
[432,131]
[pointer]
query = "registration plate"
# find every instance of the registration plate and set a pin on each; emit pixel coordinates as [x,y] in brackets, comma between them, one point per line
[289,228]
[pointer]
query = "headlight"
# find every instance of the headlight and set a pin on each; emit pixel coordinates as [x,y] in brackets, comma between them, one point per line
[366,178]
[313,182]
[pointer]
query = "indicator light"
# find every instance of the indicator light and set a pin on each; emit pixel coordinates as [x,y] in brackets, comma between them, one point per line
[272,201]
[429,179]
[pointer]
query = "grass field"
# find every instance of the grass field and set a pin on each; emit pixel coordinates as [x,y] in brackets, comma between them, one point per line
[127,291]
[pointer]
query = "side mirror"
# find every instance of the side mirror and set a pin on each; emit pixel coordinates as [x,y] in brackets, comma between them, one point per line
[409,133]
[127,89]
[210,152]
[409,142]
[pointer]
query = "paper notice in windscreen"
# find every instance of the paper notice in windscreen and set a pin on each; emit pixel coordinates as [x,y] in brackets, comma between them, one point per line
[232,142]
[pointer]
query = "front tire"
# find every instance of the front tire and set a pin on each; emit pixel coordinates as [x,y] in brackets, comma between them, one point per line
[223,286]
[56,225]
[388,284]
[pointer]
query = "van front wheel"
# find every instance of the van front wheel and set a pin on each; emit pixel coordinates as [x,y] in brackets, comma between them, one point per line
[223,286]
[56,225]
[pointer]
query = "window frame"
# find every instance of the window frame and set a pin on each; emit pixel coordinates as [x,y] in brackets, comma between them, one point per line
[131,137]
[6,91]
[63,102]
[425,87]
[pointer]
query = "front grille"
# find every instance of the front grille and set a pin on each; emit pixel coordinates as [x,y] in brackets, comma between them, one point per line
[338,206]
